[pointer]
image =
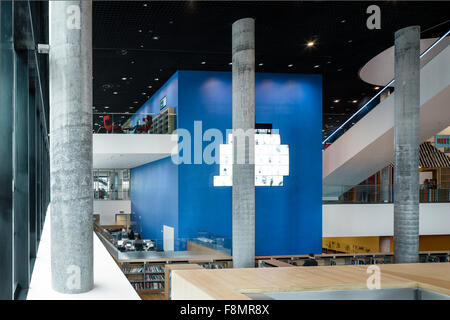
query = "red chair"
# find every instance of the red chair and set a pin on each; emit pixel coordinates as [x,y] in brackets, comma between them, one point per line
[107,122]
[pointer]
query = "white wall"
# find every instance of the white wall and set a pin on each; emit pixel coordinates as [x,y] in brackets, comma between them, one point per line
[357,220]
[109,208]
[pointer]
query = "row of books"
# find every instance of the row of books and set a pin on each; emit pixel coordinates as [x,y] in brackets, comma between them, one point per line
[154,277]
[130,269]
[148,285]
[155,269]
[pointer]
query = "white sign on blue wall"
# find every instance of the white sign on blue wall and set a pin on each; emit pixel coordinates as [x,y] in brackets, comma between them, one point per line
[271,162]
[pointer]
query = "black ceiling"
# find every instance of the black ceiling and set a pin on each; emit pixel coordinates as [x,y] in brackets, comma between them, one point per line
[147,40]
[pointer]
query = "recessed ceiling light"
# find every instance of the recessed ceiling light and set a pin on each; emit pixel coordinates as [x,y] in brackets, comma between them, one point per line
[316,66]
[145,4]
[140,30]
[231,63]
[126,112]
[261,64]
[149,87]
[142,45]
[143,93]
[350,41]
[310,44]
[290,65]
[355,101]
[136,102]
[156,79]
[115,92]
[377,88]
[131,107]
[171,22]
[203,62]
[343,21]
[336,100]
[155,38]
[328,62]
[130,78]
[340,69]
[124,78]
[106,107]
[123,117]
[132,62]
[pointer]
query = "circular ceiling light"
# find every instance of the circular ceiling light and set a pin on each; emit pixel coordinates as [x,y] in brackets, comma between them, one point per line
[290,65]
[261,64]
[155,38]
[203,62]
[156,79]
[355,101]
[124,78]
[316,66]
[336,100]
[115,92]
[310,44]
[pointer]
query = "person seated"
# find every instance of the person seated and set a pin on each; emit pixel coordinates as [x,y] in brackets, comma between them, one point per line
[311,261]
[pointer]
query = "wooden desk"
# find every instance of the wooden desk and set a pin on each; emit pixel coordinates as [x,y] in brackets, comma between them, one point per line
[171,267]
[228,284]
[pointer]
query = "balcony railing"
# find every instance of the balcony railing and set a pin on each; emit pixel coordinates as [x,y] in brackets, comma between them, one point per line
[382,193]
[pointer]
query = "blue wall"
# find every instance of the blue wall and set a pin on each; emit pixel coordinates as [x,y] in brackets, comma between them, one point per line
[154,197]
[288,218]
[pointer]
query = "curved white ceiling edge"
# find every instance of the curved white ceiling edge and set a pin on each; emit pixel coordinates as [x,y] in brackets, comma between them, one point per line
[379,70]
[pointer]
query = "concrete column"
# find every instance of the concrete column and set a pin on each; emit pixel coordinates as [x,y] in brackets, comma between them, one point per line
[406,144]
[243,143]
[71,145]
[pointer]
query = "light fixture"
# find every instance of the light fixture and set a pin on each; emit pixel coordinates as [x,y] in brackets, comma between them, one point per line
[140,30]
[132,62]
[316,66]
[143,93]
[124,78]
[343,21]
[355,101]
[261,64]
[377,88]
[350,41]
[145,4]
[149,87]
[290,65]
[142,45]
[136,102]
[131,107]
[203,62]
[340,69]
[336,100]
[155,38]
[115,92]
[310,44]
[156,79]
[231,63]
[126,112]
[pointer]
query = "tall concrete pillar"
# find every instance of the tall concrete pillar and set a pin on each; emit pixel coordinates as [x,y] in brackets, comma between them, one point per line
[243,143]
[71,145]
[406,144]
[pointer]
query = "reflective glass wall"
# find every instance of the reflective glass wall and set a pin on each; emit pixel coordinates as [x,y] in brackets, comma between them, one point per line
[24,145]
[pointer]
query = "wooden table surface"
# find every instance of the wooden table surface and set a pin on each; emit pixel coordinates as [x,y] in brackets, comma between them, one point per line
[228,284]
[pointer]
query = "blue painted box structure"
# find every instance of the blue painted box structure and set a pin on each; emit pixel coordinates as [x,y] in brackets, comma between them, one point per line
[288,218]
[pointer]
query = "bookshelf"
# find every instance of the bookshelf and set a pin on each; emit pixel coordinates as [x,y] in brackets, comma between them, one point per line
[144,276]
[164,122]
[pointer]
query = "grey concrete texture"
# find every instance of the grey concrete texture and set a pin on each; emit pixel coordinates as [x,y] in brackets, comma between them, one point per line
[243,84]
[71,103]
[406,145]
